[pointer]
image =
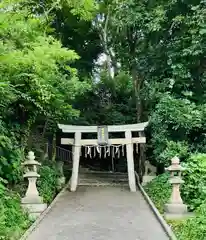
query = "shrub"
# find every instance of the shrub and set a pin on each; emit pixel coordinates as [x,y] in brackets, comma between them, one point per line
[172,149]
[47,184]
[159,190]
[193,228]
[13,220]
[10,161]
[194,194]
[172,124]
[193,191]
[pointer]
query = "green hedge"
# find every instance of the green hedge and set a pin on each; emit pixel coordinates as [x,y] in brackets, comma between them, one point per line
[194,189]
[47,184]
[159,191]
[13,220]
[193,228]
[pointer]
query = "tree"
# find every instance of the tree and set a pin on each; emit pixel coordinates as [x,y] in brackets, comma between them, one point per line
[37,82]
[72,23]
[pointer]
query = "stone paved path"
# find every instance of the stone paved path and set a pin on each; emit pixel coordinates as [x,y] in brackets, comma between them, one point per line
[100,213]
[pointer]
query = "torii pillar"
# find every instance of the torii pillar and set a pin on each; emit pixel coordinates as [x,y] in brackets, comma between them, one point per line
[75,162]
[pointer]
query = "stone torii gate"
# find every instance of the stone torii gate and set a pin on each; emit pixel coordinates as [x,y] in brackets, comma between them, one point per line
[77,142]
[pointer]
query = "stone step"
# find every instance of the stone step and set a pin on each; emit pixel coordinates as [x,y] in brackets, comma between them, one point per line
[86,170]
[104,175]
[101,184]
[103,181]
[97,178]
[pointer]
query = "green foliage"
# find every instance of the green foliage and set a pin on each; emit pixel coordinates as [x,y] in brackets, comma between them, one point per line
[172,124]
[159,191]
[177,114]
[47,184]
[192,228]
[10,160]
[72,21]
[160,46]
[84,10]
[37,82]
[179,149]
[33,66]
[13,221]
[111,101]
[194,190]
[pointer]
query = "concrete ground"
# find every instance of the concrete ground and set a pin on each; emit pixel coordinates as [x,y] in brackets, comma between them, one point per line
[100,213]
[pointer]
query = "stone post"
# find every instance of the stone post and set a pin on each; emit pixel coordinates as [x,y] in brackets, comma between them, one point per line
[175,208]
[61,178]
[32,201]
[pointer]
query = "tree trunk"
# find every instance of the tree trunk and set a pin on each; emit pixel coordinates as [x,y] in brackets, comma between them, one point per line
[142,158]
[29,140]
[45,128]
[137,86]
[45,152]
[54,147]
[111,62]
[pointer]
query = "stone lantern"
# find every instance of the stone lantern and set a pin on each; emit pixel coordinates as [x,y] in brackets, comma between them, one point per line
[32,201]
[175,208]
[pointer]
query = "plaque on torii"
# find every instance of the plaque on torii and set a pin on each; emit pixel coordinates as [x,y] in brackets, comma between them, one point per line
[102,135]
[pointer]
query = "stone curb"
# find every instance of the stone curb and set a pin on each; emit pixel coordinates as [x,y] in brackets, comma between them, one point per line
[43,215]
[159,217]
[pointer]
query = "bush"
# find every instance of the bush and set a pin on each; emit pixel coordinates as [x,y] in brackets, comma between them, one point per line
[193,228]
[10,161]
[159,190]
[173,124]
[47,184]
[13,220]
[194,190]
[179,149]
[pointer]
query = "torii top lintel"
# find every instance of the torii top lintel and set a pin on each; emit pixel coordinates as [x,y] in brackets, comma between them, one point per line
[138,127]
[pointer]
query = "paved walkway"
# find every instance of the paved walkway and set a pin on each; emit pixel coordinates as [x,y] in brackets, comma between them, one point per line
[100,213]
